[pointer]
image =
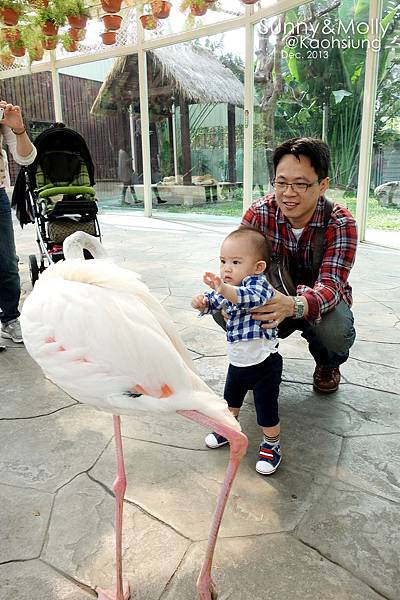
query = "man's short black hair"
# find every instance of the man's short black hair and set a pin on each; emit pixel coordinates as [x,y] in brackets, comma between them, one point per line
[316,150]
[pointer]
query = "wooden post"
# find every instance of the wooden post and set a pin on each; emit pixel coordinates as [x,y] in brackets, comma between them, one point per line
[231,144]
[185,137]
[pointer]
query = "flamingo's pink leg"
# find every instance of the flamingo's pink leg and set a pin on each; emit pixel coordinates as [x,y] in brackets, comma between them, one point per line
[238,446]
[122,591]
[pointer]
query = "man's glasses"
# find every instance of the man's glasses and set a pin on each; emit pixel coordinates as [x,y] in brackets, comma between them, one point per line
[298,188]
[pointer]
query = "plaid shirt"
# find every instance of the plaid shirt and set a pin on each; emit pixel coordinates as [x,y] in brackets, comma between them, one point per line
[331,285]
[253,291]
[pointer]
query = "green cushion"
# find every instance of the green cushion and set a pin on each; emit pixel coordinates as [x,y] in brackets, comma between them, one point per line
[68,190]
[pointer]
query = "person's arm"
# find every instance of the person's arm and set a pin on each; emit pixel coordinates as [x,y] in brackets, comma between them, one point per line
[15,136]
[250,294]
[341,241]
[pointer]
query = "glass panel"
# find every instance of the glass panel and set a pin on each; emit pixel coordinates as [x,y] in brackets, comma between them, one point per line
[94,104]
[383,217]
[34,94]
[309,79]
[190,14]
[196,96]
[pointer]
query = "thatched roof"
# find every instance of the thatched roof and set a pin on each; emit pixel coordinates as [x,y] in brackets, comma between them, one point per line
[186,70]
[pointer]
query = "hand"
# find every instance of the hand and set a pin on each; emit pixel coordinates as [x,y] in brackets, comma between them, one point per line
[199,302]
[274,311]
[212,280]
[12,116]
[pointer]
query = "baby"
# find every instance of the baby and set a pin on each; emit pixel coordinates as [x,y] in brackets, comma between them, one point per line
[255,363]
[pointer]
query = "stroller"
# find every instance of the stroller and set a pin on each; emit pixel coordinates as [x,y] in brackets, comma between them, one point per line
[59,194]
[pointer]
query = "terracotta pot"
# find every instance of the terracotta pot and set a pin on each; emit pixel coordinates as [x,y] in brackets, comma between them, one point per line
[111,6]
[49,29]
[17,50]
[109,38]
[77,21]
[160,9]
[36,54]
[72,46]
[7,60]
[198,10]
[148,22]
[9,16]
[77,35]
[112,22]
[11,35]
[50,43]
[249,1]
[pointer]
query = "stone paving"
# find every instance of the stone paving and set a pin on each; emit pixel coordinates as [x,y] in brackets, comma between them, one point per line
[324,527]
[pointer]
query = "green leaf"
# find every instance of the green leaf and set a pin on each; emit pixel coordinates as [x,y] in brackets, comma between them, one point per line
[340,94]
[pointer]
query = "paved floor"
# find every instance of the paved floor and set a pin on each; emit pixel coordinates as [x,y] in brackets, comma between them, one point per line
[324,527]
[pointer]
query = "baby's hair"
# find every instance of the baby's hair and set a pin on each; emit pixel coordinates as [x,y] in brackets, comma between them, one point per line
[260,242]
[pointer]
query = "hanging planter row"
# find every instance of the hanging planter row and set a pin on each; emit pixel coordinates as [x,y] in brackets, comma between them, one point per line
[33,26]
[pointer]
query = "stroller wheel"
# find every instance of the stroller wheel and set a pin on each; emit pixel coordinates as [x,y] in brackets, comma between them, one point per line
[33,269]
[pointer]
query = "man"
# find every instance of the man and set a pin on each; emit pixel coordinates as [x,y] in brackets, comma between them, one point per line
[13,132]
[290,218]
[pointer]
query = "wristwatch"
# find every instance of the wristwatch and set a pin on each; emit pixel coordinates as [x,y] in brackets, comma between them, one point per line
[298,308]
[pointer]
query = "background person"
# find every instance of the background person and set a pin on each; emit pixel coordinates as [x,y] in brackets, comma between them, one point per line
[13,133]
[290,218]
[127,176]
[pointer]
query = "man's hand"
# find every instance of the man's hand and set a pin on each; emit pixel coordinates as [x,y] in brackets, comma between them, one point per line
[212,280]
[199,302]
[274,311]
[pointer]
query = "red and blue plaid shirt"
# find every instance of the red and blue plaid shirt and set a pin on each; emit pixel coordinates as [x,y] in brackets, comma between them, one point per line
[340,240]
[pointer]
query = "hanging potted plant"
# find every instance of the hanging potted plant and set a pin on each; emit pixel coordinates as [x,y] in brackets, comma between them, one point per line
[112,22]
[68,43]
[10,11]
[17,48]
[50,19]
[50,42]
[6,58]
[36,52]
[77,34]
[77,13]
[249,1]
[10,34]
[38,3]
[111,6]
[160,9]
[109,38]
[148,22]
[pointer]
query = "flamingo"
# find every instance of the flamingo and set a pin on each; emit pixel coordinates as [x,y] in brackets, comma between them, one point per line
[97,332]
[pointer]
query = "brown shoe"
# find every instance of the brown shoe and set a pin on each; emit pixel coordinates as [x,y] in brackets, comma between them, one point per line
[326,379]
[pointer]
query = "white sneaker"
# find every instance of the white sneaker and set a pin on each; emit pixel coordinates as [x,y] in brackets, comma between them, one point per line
[12,331]
[214,440]
[269,458]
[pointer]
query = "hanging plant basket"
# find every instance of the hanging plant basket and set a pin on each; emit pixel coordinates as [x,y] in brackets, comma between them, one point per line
[111,6]
[198,10]
[49,28]
[17,50]
[160,9]
[36,53]
[50,43]
[10,35]
[70,46]
[109,38]
[39,3]
[112,22]
[77,35]
[7,59]
[148,22]
[77,21]
[9,16]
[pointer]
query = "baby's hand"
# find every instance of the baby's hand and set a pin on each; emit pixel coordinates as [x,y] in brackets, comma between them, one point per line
[199,302]
[212,280]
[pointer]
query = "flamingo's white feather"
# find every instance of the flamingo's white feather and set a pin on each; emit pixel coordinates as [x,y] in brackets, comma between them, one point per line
[111,334]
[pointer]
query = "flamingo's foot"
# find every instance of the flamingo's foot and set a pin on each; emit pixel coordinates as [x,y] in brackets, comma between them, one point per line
[207,590]
[112,594]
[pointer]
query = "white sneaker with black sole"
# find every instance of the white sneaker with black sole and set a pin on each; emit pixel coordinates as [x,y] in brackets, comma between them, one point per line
[12,331]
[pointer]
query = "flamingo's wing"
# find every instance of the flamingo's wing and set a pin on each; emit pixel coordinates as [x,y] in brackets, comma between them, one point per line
[95,336]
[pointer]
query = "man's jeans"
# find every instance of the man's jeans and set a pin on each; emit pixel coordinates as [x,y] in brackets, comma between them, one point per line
[9,278]
[329,342]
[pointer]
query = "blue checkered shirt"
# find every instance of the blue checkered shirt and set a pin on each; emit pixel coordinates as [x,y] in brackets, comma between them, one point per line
[253,291]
